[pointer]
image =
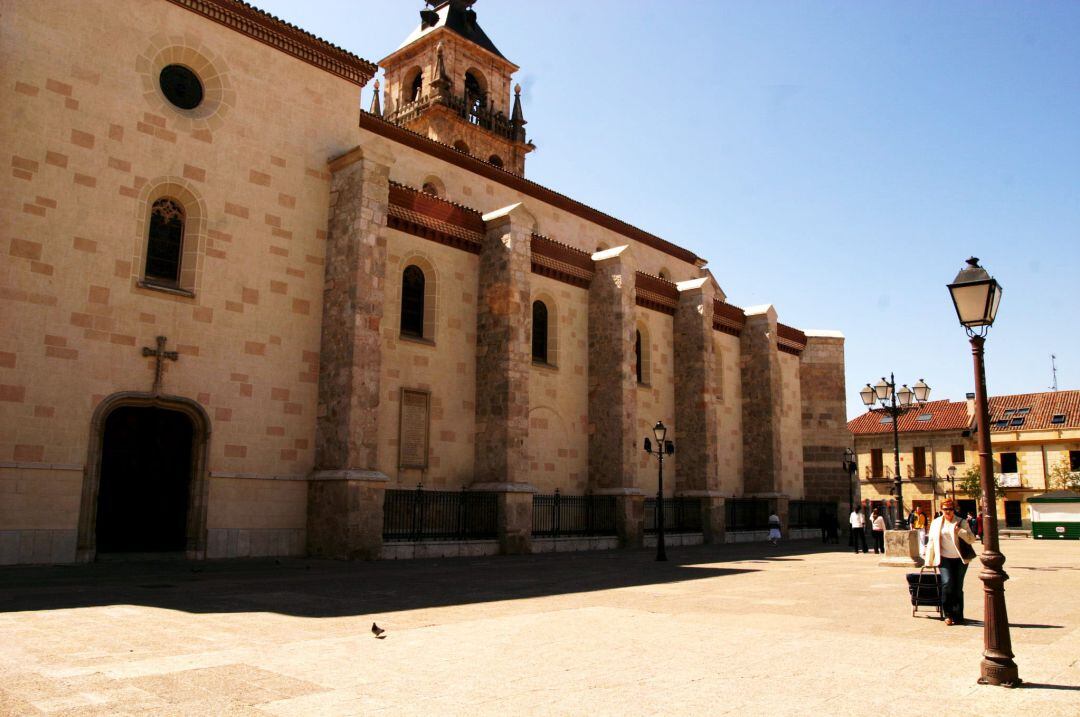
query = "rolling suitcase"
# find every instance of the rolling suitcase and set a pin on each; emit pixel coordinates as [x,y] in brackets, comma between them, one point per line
[925,590]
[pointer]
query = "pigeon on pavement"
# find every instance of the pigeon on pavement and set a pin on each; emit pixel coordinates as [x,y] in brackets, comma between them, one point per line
[377,631]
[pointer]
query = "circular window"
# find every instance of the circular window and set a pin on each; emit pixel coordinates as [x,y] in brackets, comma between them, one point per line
[181,86]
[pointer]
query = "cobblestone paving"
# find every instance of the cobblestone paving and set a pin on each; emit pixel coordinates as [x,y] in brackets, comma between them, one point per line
[739,629]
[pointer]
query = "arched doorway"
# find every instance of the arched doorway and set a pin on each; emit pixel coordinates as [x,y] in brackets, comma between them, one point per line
[145,481]
[145,488]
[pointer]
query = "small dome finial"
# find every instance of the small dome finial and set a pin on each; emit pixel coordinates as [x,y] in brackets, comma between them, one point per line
[517,89]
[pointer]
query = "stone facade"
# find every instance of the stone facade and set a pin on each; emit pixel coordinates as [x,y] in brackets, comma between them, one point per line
[286,313]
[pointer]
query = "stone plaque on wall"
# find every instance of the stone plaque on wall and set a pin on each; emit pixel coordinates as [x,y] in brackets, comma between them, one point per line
[413,431]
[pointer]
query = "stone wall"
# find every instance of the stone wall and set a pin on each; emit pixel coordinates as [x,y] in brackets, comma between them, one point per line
[824,417]
[761,401]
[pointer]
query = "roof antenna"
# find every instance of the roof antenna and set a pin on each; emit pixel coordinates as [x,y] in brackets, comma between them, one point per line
[1053,367]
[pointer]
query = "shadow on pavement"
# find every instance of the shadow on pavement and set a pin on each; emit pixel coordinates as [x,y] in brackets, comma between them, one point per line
[1040,686]
[326,588]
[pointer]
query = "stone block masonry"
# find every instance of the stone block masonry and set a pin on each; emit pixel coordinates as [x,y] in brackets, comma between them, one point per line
[760,369]
[824,416]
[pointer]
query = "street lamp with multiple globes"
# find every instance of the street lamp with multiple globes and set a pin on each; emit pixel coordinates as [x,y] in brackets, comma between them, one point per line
[895,403]
[663,447]
[976,296]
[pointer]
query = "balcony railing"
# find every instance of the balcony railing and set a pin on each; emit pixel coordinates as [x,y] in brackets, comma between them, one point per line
[486,117]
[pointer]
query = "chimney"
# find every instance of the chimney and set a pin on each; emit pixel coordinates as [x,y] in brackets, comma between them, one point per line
[970,405]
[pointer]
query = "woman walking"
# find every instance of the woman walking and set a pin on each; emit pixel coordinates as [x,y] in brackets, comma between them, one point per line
[877,526]
[949,548]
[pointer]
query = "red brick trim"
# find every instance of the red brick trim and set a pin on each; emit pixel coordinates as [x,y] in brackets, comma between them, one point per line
[789,339]
[448,154]
[290,39]
[727,318]
[561,262]
[655,293]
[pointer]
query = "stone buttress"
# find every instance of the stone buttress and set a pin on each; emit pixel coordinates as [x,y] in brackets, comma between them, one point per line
[503,359]
[613,389]
[697,473]
[345,491]
[824,417]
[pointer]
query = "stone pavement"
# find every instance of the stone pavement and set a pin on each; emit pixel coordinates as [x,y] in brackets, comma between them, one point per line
[736,629]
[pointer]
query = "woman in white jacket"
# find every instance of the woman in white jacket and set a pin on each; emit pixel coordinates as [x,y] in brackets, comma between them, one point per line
[943,551]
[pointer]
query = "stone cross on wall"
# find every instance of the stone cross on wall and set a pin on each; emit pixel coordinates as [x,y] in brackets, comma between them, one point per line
[159,353]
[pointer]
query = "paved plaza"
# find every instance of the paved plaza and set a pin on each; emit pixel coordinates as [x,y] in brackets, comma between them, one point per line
[739,629]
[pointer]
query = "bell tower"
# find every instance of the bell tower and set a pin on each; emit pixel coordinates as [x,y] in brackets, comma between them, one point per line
[450,83]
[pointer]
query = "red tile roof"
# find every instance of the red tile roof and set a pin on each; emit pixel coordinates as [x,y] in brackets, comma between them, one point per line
[945,416]
[1042,407]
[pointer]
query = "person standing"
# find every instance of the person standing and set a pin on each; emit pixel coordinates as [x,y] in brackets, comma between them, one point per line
[918,524]
[877,526]
[944,551]
[858,525]
[774,528]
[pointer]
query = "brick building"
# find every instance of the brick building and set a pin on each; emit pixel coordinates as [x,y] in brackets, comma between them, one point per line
[1032,436]
[348,302]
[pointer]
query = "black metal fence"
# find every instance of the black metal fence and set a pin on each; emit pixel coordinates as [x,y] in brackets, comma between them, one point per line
[810,513]
[747,514]
[681,515]
[419,514]
[560,515]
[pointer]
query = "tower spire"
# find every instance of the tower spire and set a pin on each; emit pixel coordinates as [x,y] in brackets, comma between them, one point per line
[376,108]
[517,117]
[440,82]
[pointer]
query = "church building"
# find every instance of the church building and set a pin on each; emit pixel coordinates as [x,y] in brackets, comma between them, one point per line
[241,316]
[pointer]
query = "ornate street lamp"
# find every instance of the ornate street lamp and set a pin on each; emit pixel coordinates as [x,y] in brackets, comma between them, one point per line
[895,403]
[663,447]
[952,481]
[976,296]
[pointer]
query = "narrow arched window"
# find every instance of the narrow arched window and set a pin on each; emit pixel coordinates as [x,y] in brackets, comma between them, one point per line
[430,188]
[165,242]
[637,355]
[461,146]
[416,87]
[475,95]
[495,160]
[540,332]
[412,302]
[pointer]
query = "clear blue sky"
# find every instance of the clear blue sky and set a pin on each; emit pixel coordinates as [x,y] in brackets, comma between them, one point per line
[838,160]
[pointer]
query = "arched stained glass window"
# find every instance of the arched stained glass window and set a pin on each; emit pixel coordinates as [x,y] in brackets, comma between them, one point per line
[412,301]
[540,332]
[165,242]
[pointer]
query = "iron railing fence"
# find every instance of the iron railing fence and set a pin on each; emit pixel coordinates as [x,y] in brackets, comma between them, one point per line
[558,515]
[681,515]
[810,513]
[747,514]
[416,515]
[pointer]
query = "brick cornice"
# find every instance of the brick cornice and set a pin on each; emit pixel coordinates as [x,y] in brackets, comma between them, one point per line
[561,262]
[290,39]
[652,292]
[448,154]
[435,219]
[727,318]
[790,340]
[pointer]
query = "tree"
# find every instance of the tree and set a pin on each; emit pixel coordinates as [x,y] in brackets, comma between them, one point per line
[971,483]
[1063,477]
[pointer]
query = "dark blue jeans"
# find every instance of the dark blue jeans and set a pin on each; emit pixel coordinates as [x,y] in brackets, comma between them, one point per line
[952,588]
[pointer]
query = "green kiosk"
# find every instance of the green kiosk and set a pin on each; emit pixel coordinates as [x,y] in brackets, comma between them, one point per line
[1056,515]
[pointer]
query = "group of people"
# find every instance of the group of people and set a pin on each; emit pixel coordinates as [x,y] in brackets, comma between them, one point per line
[944,543]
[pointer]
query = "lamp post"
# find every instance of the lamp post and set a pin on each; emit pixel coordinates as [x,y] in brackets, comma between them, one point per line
[663,447]
[895,403]
[976,296]
[850,467]
[952,482]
